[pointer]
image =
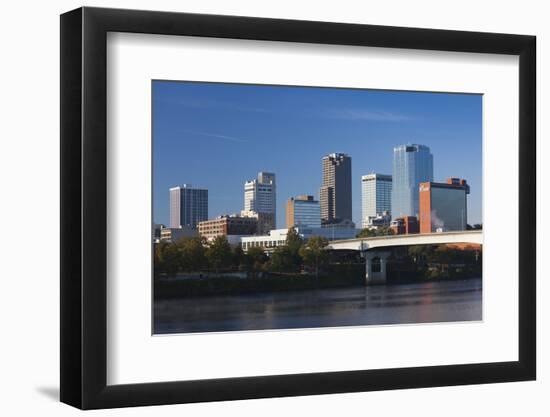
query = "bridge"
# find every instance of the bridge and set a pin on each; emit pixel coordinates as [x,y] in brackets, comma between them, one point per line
[370,247]
[362,244]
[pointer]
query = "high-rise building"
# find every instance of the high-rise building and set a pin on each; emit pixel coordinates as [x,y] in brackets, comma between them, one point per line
[260,197]
[443,206]
[188,206]
[375,196]
[412,164]
[335,192]
[303,211]
[326,197]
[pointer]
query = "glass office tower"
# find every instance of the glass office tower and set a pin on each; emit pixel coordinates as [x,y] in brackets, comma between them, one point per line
[412,164]
[188,206]
[303,211]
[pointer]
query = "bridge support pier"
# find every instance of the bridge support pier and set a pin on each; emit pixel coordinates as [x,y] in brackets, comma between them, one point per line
[375,267]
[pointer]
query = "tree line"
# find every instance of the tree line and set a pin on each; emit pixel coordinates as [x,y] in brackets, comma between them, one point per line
[196,254]
[380,231]
[443,255]
[388,231]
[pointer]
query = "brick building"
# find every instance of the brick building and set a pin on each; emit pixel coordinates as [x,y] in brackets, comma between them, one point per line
[443,206]
[405,225]
[228,225]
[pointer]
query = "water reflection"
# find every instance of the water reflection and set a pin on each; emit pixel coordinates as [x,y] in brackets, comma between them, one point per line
[411,303]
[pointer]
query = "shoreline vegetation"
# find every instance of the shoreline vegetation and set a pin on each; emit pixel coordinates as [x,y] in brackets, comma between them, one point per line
[231,285]
[192,267]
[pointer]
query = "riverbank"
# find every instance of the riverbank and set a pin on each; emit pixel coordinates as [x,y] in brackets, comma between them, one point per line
[239,283]
[177,287]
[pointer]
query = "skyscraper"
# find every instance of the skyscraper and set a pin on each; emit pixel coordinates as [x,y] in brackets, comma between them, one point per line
[260,197]
[303,211]
[375,196]
[412,164]
[188,206]
[335,192]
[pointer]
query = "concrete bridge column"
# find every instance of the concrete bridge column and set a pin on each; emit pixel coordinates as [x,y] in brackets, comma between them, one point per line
[383,262]
[368,267]
[375,277]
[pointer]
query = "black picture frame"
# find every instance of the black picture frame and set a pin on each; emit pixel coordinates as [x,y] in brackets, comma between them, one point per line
[84,207]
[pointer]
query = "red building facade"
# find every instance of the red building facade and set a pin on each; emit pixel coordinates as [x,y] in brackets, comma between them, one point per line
[443,206]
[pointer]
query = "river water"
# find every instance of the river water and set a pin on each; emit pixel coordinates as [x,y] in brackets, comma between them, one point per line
[388,304]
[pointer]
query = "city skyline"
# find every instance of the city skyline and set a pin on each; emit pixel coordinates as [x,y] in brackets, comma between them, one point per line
[222,123]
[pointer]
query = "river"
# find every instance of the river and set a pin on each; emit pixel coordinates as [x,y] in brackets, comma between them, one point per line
[376,305]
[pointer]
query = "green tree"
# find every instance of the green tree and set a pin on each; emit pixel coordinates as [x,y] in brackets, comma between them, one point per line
[219,253]
[421,253]
[239,257]
[284,260]
[292,259]
[385,231]
[158,266]
[380,231]
[293,240]
[255,259]
[446,255]
[193,253]
[167,258]
[314,254]
[366,233]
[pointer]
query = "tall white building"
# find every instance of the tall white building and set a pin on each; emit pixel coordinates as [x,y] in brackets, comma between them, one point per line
[376,192]
[260,197]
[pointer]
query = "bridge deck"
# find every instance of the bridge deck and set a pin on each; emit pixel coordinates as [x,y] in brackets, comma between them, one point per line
[470,236]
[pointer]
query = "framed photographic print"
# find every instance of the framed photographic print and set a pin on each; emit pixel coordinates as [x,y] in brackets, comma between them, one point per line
[258,207]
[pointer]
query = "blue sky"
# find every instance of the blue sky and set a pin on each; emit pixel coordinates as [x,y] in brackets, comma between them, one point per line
[218,135]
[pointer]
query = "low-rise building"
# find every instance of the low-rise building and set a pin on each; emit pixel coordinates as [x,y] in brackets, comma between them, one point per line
[173,234]
[338,224]
[265,220]
[405,225]
[228,225]
[378,221]
[157,227]
[277,237]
